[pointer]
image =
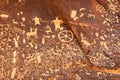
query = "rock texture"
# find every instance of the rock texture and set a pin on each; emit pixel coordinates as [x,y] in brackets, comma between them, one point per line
[59,40]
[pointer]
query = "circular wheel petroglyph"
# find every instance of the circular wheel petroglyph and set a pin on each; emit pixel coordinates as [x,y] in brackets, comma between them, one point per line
[65,36]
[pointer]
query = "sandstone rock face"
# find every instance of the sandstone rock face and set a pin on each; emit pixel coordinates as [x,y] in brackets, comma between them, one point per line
[59,39]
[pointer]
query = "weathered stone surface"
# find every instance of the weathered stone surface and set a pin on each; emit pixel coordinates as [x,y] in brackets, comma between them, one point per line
[59,40]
